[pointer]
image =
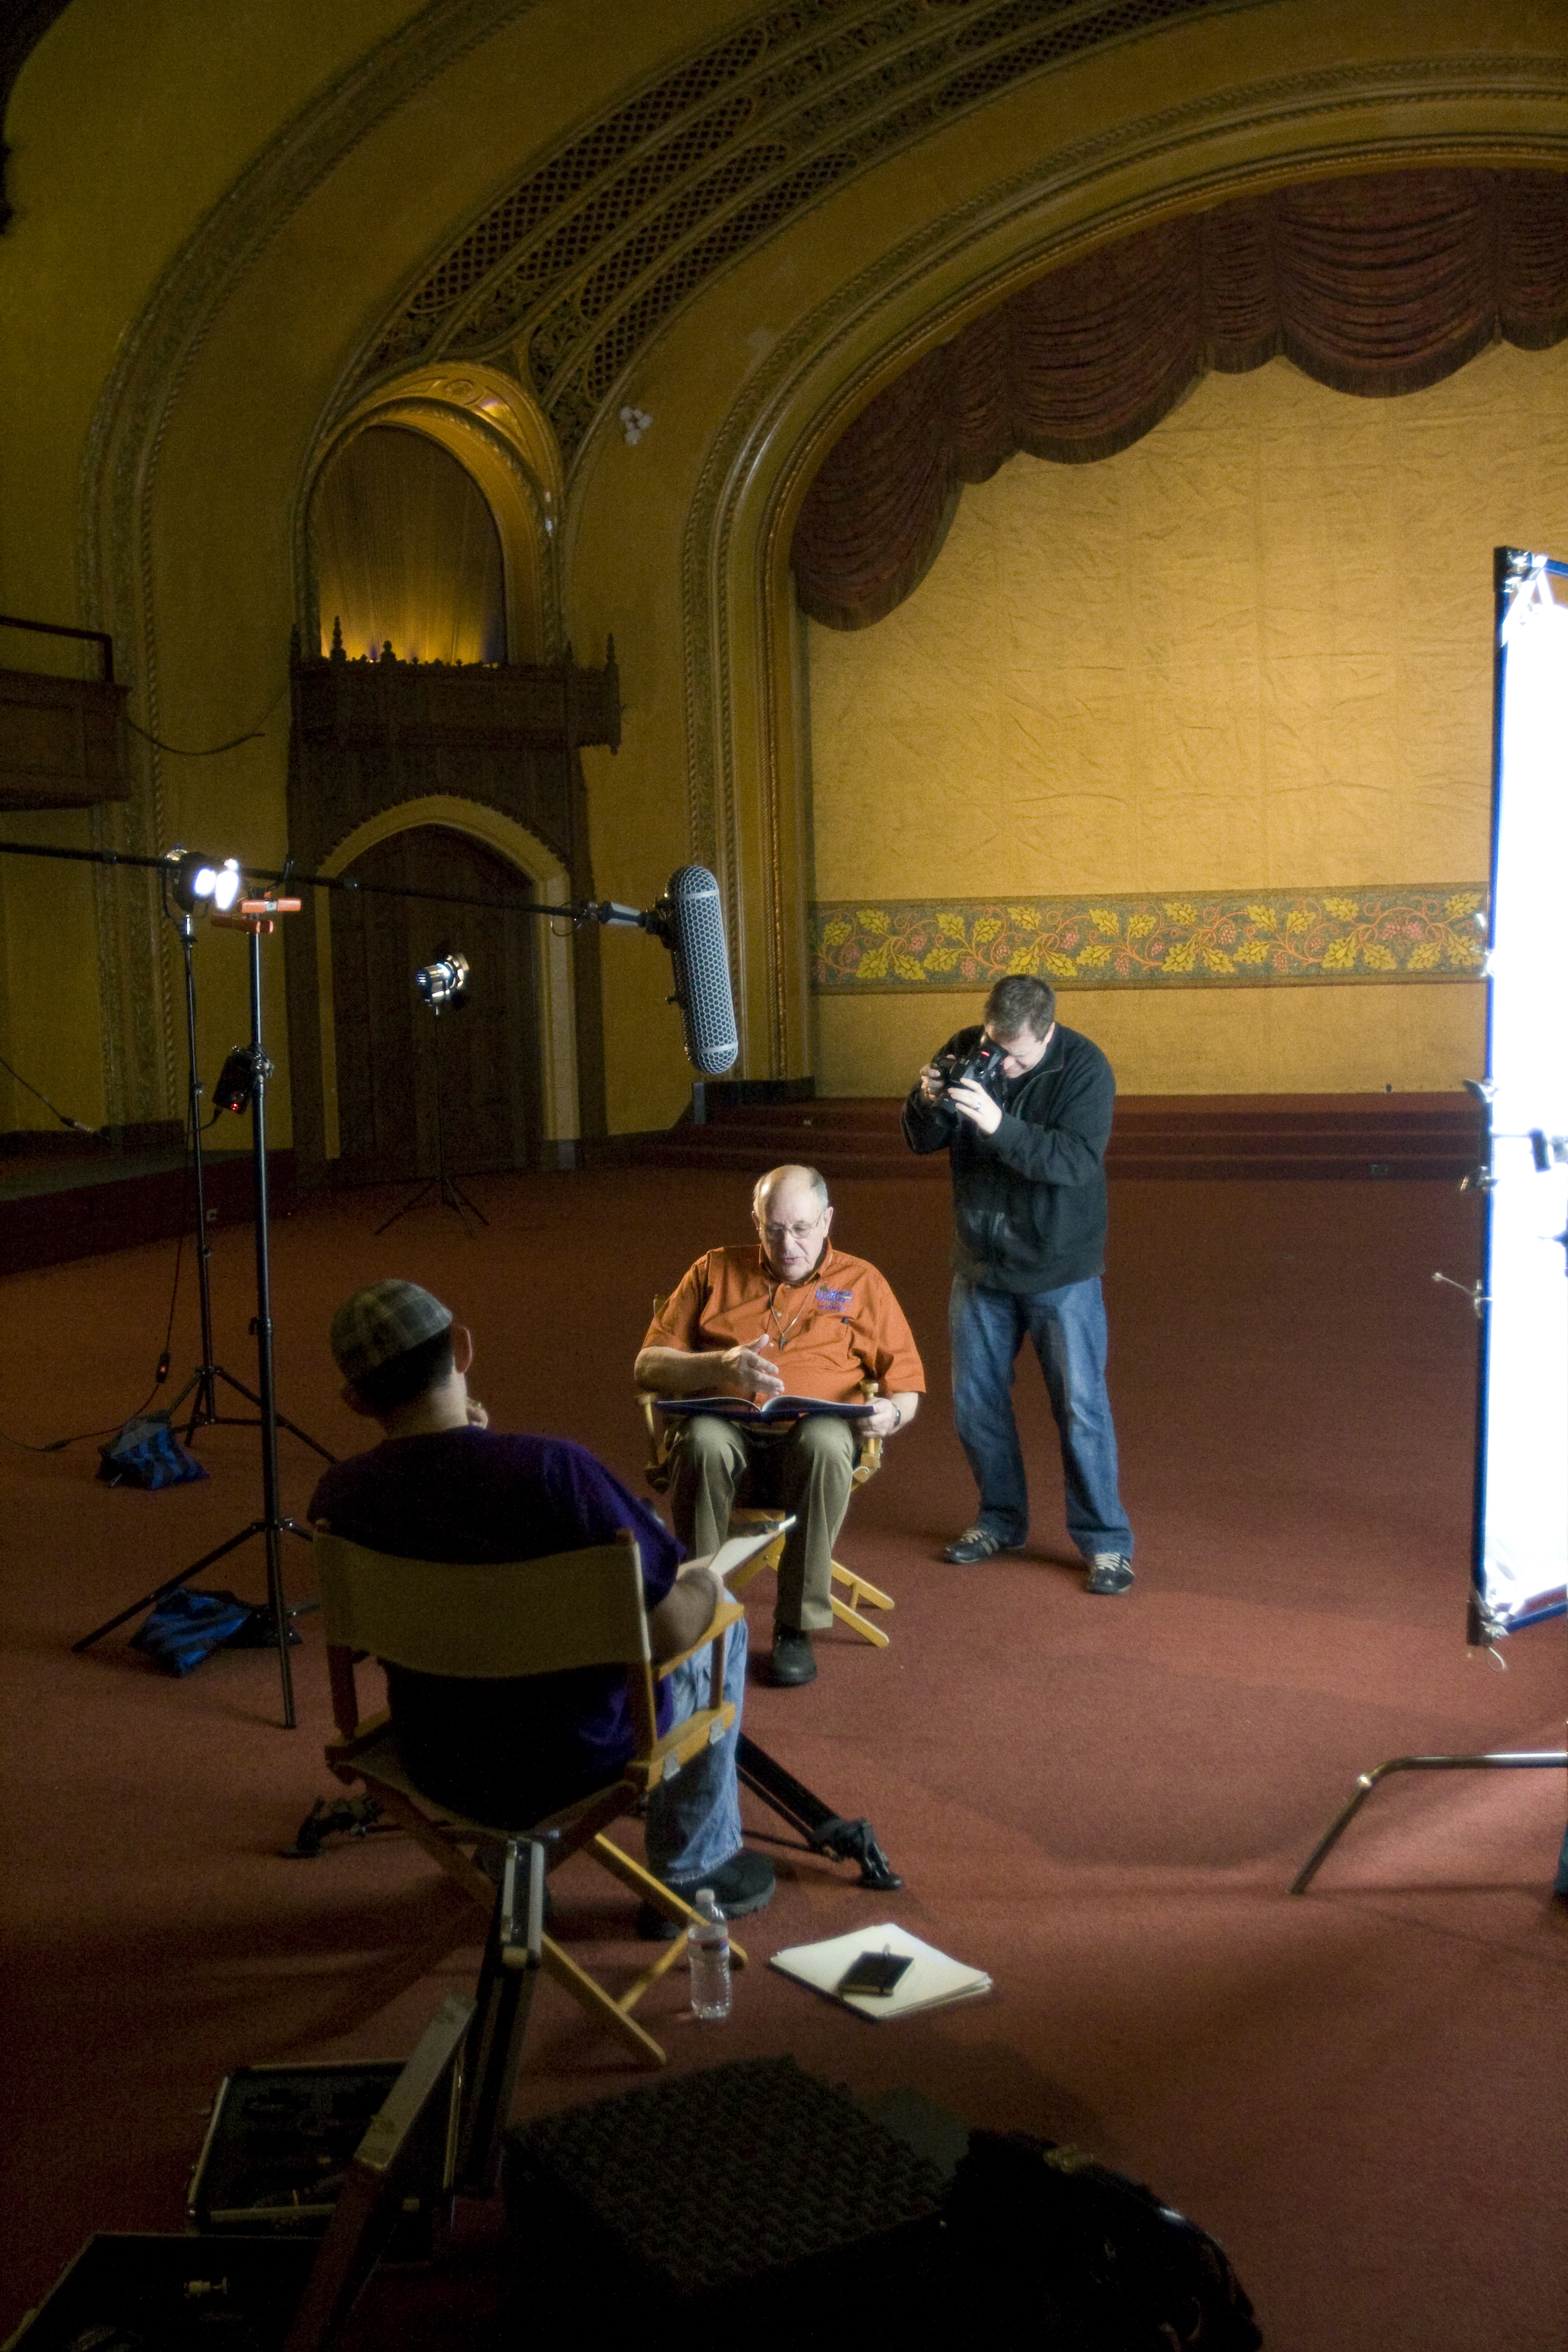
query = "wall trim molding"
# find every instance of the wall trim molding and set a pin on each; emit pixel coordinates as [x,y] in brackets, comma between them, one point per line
[1378,933]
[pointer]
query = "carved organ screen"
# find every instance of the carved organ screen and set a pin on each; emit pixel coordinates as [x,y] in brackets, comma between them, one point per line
[407,553]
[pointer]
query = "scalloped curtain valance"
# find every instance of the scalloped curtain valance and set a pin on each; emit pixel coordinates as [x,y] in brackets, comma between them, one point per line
[1376,285]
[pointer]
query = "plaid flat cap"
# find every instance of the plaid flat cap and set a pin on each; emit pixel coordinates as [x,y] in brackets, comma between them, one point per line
[384,1320]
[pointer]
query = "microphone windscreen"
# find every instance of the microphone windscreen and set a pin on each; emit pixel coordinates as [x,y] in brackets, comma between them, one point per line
[702,987]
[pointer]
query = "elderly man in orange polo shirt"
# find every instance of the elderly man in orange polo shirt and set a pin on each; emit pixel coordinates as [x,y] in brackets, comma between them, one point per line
[792,1317]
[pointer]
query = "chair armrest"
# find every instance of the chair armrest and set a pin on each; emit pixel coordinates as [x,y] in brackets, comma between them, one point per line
[657,1469]
[868,1452]
[681,1741]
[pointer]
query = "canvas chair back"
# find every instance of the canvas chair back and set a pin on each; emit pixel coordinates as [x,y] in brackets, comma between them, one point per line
[485,1621]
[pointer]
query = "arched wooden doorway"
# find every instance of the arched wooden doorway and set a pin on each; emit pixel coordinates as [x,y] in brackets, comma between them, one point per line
[386,1034]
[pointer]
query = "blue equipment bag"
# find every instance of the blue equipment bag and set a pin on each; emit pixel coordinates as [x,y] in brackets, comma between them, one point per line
[147,1453]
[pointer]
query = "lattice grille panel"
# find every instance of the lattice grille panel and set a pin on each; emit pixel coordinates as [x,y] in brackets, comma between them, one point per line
[588,256]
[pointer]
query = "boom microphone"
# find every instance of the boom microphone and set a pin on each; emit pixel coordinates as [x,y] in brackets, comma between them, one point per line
[690,920]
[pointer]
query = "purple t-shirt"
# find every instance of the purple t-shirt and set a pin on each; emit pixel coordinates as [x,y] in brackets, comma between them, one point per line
[507,1752]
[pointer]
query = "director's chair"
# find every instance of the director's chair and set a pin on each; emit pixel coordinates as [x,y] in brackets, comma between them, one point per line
[859,1592]
[483,1623]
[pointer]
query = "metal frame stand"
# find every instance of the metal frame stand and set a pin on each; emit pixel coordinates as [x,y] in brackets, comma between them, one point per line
[1526,1759]
[204,1381]
[447,1190]
[271,1525]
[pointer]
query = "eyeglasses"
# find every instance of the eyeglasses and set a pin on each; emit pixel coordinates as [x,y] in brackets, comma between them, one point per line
[801,1233]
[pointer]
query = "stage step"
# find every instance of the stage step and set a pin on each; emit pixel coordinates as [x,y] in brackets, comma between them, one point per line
[1434,1137]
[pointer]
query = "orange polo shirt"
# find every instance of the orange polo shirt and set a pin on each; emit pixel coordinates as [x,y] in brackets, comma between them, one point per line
[839,1327]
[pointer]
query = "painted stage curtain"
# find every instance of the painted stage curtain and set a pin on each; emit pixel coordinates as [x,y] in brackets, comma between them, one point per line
[1376,285]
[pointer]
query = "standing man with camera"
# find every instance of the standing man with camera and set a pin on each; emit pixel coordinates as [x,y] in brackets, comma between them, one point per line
[1024,1108]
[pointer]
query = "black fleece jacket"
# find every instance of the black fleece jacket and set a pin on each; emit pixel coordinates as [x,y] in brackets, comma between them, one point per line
[1028,1202]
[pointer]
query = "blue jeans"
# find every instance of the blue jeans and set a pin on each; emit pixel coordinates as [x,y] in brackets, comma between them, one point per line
[693,1823]
[1068,1328]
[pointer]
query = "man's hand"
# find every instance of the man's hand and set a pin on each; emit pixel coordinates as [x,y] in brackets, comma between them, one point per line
[933,1086]
[889,1412]
[975,1105]
[746,1373]
[707,1371]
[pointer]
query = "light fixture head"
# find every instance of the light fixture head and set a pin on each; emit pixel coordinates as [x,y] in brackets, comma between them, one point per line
[200,881]
[443,981]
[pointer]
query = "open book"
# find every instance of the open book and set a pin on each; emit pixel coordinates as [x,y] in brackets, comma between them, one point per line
[929,1982]
[779,1408]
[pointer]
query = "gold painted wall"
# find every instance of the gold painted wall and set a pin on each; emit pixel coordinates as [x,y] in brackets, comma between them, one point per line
[218,208]
[1253,651]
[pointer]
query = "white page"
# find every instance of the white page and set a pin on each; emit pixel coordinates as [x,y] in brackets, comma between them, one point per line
[931,1979]
[736,1551]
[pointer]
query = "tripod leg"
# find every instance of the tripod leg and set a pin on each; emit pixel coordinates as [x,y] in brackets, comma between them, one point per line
[412,1202]
[218,1373]
[170,1584]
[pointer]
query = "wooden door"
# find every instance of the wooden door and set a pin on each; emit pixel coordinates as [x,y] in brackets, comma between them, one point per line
[386,1034]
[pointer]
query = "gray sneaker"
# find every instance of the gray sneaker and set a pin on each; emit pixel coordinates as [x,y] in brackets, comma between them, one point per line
[975,1544]
[1110,1571]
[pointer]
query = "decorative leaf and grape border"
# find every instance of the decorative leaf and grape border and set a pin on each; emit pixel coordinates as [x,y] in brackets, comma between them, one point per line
[1207,938]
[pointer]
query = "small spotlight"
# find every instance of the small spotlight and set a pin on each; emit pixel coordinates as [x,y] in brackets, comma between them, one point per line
[443,983]
[200,881]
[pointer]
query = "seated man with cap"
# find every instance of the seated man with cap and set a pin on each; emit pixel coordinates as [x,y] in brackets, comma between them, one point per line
[443,1485]
[789,1314]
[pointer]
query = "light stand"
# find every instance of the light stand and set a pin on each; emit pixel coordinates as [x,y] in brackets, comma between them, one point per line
[256,916]
[1520,1536]
[441,983]
[203,1382]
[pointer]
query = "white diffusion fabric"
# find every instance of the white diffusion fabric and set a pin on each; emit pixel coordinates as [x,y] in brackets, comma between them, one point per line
[1522,1521]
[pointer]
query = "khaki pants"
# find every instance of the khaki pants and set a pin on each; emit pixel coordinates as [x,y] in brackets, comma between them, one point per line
[807,1468]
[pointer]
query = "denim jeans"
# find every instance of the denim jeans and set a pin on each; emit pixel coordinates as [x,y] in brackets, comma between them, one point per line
[693,1823]
[1068,1328]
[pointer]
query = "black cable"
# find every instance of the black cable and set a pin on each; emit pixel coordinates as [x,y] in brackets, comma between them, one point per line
[253,735]
[59,1445]
[63,1116]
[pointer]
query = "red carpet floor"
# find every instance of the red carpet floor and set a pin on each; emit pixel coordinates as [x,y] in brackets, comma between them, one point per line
[1362,2092]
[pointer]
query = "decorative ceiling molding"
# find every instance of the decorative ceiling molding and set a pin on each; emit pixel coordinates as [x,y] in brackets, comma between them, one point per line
[623,223]
[1037,221]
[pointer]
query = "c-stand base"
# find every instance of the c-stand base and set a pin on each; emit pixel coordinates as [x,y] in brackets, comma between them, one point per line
[825,1831]
[450,1195]
[204,1413]
[1530,1760]
[281,1610]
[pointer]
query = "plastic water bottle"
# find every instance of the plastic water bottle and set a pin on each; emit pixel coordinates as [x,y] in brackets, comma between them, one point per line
[708,1951]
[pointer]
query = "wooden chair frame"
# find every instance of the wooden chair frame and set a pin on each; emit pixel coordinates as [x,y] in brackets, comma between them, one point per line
[538,1616]
[859,1592]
